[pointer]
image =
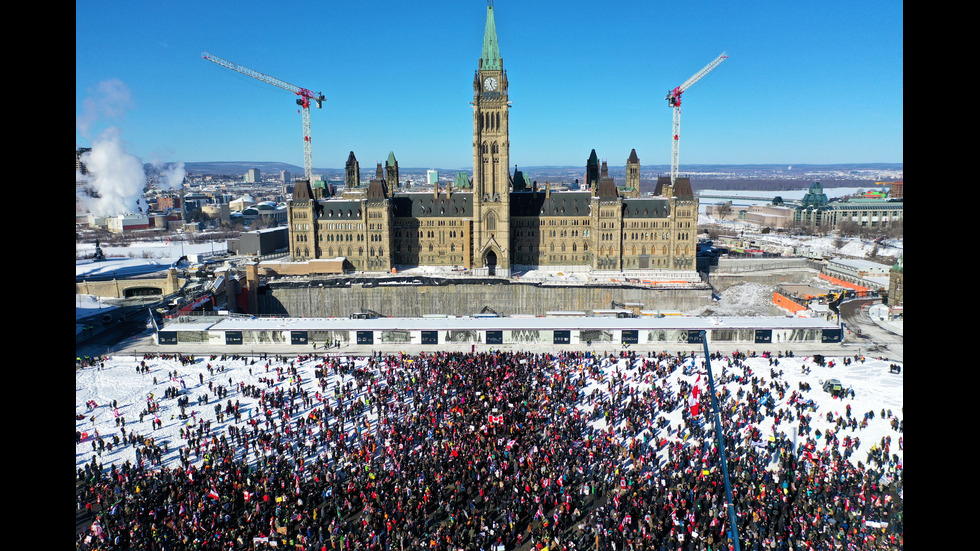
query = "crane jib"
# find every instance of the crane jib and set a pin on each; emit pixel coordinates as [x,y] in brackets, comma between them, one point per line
[304,101]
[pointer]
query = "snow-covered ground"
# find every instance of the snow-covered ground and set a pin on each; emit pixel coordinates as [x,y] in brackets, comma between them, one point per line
[746,299]
[827,245]
[119,382]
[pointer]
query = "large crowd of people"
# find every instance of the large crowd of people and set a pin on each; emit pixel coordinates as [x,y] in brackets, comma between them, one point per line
[494,451]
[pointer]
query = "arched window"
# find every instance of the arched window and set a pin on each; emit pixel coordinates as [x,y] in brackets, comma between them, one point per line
[491,224]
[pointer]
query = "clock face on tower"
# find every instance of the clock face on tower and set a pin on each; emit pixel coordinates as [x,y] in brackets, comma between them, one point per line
[490,84]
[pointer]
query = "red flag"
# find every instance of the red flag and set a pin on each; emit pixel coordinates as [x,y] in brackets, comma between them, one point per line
[694,400]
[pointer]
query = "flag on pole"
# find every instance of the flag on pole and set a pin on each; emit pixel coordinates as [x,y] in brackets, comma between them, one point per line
[694,400]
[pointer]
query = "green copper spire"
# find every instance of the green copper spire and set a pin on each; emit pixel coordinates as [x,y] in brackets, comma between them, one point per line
[491,51]
[391,159]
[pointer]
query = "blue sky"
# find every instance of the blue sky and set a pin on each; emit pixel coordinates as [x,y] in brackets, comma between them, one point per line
[805,82]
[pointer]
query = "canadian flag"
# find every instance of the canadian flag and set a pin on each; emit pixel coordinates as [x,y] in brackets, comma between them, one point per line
[694,400]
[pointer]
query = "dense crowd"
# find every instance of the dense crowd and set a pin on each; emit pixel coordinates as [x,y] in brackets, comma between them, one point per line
[492,451]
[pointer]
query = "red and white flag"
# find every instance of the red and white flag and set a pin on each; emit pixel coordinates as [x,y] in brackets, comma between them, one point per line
[694,399]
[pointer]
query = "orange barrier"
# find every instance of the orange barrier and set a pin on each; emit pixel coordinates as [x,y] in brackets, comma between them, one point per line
[787,303]
[861,291]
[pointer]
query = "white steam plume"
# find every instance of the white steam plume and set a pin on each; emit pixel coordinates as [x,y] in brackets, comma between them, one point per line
[171,175]
[115,177]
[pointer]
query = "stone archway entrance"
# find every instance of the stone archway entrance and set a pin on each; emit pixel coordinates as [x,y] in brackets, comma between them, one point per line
[490,261]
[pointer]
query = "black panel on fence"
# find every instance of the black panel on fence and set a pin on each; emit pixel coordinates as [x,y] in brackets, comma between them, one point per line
[233,337]
[763,336]
[631,336]
[563,337]
[365,337]
[495,337]
[430,337]
[693,336]
[831,335]
[168,337]
[298,337]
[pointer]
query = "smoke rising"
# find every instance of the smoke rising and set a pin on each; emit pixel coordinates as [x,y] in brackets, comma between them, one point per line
[171,175]
[115,180]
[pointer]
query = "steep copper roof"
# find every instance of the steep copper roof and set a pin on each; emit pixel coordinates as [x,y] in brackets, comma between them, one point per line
[377,190]
[682,188]
[302,191]
[606,189]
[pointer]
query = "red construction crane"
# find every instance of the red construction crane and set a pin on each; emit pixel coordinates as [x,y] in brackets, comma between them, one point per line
[674,100]
[305,96]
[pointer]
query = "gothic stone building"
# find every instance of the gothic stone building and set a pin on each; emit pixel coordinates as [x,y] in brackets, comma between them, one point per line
[497,223]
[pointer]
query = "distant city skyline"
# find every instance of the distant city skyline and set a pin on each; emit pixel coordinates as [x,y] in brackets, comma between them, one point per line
[804,83]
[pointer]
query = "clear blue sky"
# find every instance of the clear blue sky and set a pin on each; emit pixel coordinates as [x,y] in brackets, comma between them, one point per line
[805,82]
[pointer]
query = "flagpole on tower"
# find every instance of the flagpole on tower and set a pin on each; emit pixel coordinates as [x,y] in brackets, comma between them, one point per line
[721,442]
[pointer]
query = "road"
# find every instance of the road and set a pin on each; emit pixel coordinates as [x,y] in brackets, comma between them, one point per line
[873,339]
[106,339]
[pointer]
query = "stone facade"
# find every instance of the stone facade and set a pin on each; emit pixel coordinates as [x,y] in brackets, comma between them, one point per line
[496,223]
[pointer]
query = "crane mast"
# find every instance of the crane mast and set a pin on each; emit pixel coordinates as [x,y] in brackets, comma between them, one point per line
[304,100]
[674,101]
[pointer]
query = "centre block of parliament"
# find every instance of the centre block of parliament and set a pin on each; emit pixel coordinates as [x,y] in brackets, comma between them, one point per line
[496,223]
